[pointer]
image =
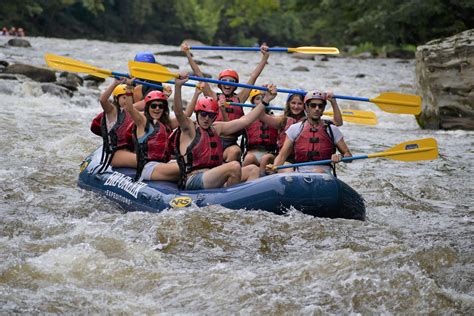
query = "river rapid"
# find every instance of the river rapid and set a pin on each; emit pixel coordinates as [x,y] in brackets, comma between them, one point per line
[67,250]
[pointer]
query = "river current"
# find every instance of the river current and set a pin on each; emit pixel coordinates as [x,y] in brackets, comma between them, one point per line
[67,250]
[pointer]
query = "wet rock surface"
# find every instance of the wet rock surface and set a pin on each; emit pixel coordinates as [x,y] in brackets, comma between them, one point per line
[445,72]
[35,73]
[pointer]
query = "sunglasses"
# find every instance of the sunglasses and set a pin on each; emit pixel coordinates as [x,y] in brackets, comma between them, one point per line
[157,105]
[229,80]
[316,105]
[208,114]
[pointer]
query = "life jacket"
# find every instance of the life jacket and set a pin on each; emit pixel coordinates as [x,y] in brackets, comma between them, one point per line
[119,136]
[153,146]
[233,111]
[205,151]
[260,134]
[282,132]
[314,143]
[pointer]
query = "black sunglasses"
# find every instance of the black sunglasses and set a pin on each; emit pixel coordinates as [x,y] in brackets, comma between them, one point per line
[205,114]
[315,105]
[157,105]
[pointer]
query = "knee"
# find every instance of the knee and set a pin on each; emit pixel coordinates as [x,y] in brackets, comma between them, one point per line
[233,168]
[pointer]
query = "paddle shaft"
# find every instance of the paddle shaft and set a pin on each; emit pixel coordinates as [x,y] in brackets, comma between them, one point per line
[321,162]
[153,85]
[271,49]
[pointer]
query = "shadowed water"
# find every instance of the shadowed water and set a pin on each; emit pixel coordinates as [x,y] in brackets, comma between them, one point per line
[63,249]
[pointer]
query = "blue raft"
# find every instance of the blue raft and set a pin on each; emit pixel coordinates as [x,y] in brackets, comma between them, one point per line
[320,195]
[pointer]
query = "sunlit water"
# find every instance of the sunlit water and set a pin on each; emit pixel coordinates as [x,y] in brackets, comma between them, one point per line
[67,250]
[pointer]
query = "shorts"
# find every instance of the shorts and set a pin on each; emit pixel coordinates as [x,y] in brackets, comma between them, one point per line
[195,181]
[258,153]
[227,142]
[148,170]
[308,169]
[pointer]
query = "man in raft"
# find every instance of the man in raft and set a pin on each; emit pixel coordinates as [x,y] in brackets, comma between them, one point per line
[199,148]
[232,151]
[313,139]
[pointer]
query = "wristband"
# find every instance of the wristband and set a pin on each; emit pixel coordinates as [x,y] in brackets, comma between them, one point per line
[129,94]
[265,103]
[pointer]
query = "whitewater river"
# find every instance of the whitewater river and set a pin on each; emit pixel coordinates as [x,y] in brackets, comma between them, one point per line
[64,249]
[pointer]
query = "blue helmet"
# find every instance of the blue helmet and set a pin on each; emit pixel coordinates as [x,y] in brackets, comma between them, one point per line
[145,57]
[290,95]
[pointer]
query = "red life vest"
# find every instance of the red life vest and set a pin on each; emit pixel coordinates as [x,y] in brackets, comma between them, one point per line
[205,151]
[233,111]
[314,143]
[282,132]
[119,136]
[260,134]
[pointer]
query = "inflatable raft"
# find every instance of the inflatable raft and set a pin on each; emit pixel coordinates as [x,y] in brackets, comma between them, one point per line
[320,195]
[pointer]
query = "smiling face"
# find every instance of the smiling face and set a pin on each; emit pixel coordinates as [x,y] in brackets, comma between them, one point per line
[296,105]
[156,109]
[122,100]
[226,89]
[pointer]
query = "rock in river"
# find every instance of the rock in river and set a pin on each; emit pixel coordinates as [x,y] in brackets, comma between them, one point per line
[445,80]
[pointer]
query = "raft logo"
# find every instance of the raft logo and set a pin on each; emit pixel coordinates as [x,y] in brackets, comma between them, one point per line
[125,183]
[181,201]
[84,166]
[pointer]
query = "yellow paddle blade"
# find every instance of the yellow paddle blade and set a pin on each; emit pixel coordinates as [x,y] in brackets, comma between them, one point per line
[421,149]
[400,103]
[149,71]
[71,65]
[314,50]
[357,116]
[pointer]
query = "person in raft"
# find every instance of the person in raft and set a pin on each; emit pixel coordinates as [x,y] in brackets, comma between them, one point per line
[232,151]
[313,138]
[113,125]
[140,91]
[199,148]
[294,112]
[259,140]
[151,131]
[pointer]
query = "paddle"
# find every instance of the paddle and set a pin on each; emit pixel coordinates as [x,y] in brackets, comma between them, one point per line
[392,102]
[302,50]
[72,65]
[415,150]
[353,116]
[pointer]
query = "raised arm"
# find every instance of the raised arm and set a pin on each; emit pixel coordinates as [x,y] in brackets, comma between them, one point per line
[185,123]
[272,121]
[228,128]
[197,71]
[104,97]
[337,118]
[244,93]
[137,117]
[197,91]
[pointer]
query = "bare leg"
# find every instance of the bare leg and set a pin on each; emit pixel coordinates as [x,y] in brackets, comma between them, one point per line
[166,172]
[266,159]
[229,174]
[250,159]
[124,159]
[250,172]
[232,153]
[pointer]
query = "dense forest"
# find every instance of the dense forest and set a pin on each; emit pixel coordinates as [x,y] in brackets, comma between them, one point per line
[243,22]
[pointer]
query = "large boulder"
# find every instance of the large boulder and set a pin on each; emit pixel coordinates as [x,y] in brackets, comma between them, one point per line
[445,72]
[70,81]
[35,73]
[18,42]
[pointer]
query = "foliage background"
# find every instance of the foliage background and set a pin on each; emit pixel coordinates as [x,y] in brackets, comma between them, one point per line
[243,22]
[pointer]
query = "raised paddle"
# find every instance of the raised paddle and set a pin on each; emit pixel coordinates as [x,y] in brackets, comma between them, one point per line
[72,65]
[352,116]
[302,50]
[415,150]
[392,102]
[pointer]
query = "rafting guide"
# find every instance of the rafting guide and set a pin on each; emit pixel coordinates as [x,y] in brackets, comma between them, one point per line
[125,183]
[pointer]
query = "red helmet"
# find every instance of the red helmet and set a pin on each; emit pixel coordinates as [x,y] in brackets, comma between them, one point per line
[156,95]
[315,94]
[229,73]
[207,104]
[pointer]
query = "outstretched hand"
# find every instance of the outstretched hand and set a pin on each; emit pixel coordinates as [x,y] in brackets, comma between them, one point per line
[185,47]
[271,93]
